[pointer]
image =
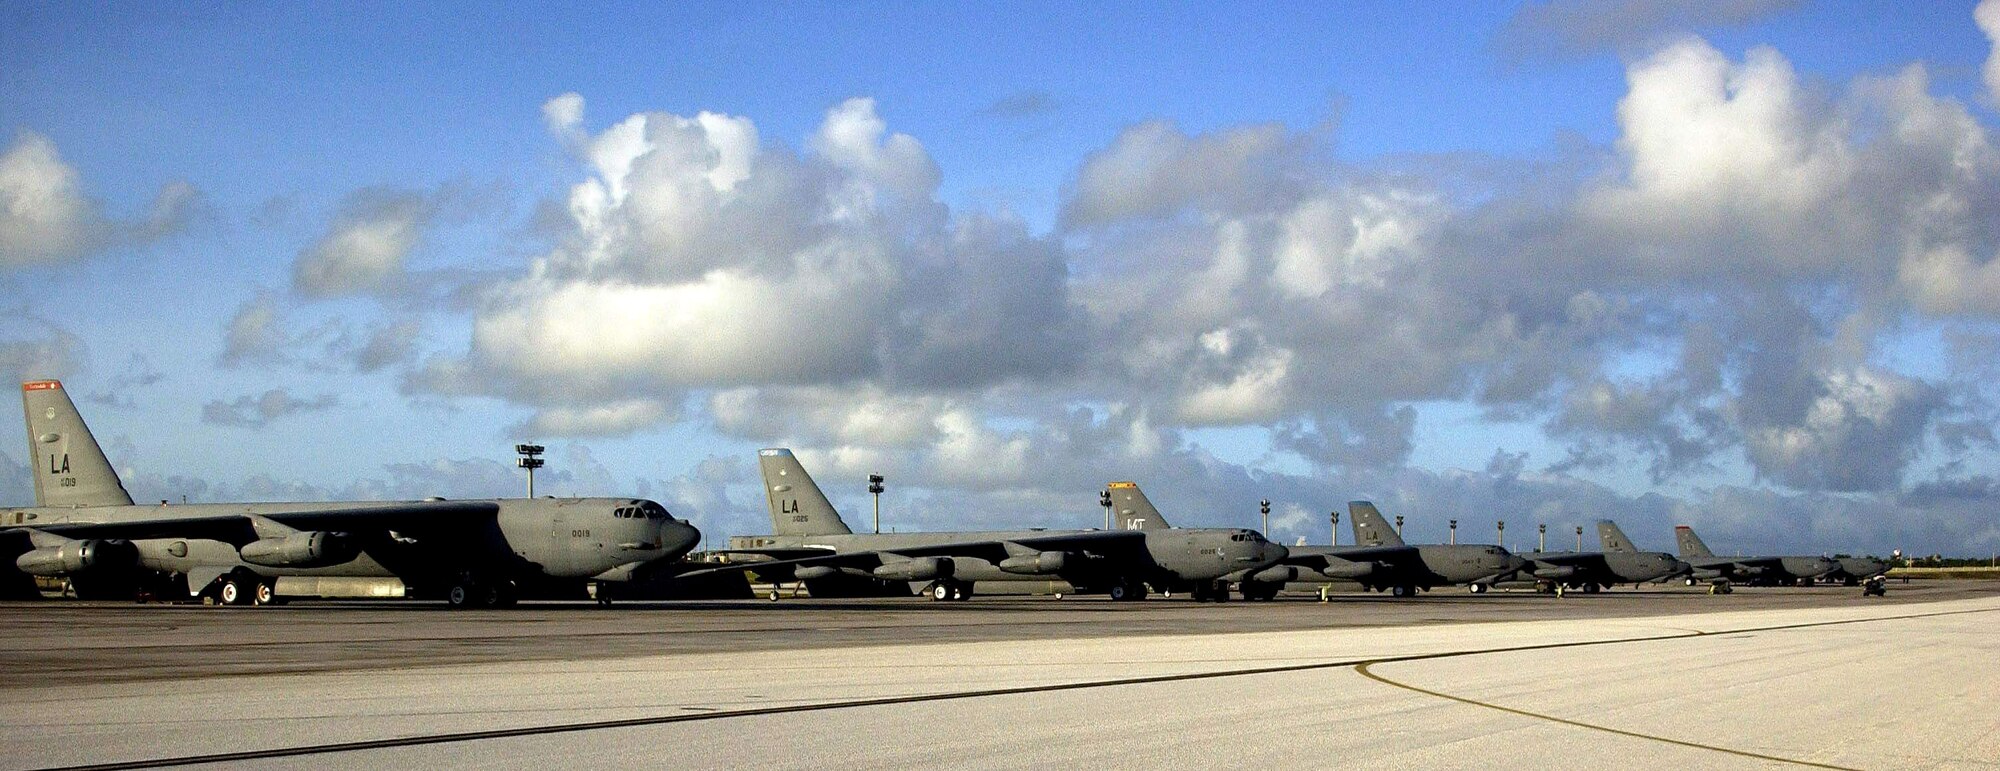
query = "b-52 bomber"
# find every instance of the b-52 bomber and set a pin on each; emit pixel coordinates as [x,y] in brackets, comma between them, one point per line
[1720,572]
[1381,561]
[84,527]
[810,544]
[1619,563]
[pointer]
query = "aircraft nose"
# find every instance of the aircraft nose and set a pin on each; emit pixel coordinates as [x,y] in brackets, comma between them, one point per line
[677,538]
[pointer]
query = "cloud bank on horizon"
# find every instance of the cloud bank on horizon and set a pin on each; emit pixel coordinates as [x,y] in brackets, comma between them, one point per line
[1710,316]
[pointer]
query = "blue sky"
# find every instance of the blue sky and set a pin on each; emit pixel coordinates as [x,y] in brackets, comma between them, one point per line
[1659,261]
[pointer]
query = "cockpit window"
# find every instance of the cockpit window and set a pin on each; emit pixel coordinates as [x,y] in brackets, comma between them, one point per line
[651,510]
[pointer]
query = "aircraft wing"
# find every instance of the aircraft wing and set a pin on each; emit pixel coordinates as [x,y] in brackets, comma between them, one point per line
[780,552]
[415,518]
[1110,544]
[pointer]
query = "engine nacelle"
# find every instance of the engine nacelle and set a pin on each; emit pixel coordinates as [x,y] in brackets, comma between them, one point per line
[817,572]
[919,569]
[1035,564]
[312,549]
[1346,569]
[78,556]
[1555,572]
[1275,574]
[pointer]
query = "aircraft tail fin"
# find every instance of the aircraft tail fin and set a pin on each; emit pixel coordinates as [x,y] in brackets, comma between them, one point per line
[1133,511]
[1612,538]
[1370,527]
[1690,544]
[70,469]
[797,505]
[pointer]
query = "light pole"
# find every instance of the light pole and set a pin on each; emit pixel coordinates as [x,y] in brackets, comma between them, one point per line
[530,460]
[875,489]
[1104,499]
[1399,526]
[1579,538]
[1501,529]
[1542,537]
[1265,507]
[1336,528]
[1454,532]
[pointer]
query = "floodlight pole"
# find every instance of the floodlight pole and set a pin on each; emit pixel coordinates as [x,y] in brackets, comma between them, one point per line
[1579,538]
[1454,532]
[1336,528]
[1399,526]
[875,489]
[1500,528]
[1104,499]
[1265,506]
[530,460]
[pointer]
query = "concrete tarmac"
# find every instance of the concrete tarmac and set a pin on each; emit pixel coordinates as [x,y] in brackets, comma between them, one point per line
[1763,677]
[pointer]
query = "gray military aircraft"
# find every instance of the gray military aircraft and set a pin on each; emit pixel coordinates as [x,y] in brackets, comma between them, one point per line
[1756,571]
[1619,563]
[1854,570]
[1381,561]
[84,527]
[811,544]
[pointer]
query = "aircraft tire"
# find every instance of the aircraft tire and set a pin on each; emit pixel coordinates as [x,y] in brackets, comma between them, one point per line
[773,595]
[464,595]
[1477,588]
[263,593]
[940,591]
[1059,595]
[232,591]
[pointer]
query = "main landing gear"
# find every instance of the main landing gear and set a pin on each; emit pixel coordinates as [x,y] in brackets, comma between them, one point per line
[471,592]
[241,588]
[948,590]
[1126,591]
[1215,591]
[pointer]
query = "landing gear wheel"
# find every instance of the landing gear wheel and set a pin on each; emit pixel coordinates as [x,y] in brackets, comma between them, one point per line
[1402,591]
[465,595]
[773,595]
[940,592]
[1117,593]
[1591,588]
[1059,595]
[232,592]
[1477,588]
[263,593]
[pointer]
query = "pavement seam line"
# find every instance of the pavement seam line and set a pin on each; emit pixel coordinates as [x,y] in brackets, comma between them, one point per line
[1363,668]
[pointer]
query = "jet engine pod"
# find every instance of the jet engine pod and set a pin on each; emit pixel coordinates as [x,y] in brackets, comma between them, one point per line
[919,569]
[1345,569]
[1041,563]
[311,549]
[1275,574]
[1556,571]
[77,557]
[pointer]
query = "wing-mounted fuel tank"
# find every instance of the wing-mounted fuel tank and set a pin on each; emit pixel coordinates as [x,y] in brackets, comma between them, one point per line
[71,557]
[919,569]
[301,549]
